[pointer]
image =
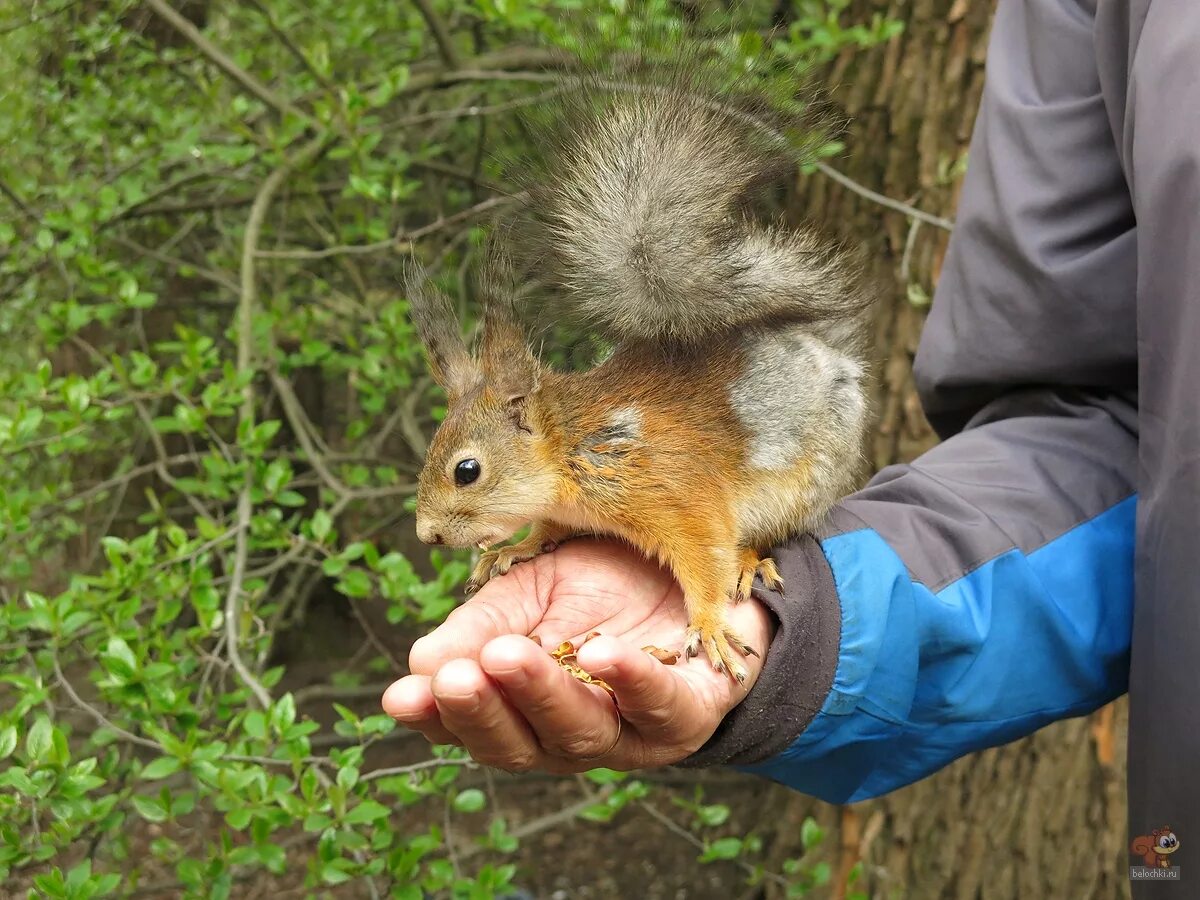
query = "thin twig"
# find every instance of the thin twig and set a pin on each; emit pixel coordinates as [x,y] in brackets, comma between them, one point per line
[292,48]
[441,35]
[223,62]
[470,112]
[910,242]
[9,28]
[546,822]
[422,766]
[245,362]
[176,263]
[899,206]
[365,624]
[102,719]
[15,198]
[675,828]
[400,238]
[149,744]
[334,692]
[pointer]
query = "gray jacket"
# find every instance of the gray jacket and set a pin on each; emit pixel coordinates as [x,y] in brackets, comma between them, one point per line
[1046,556]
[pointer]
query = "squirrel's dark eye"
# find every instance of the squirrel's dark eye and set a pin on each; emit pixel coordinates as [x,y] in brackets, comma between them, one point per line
[466,471]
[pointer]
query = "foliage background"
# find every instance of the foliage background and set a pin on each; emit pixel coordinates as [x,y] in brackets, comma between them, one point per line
[212,412]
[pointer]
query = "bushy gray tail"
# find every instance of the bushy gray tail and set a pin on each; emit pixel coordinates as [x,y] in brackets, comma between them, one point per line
[646,215]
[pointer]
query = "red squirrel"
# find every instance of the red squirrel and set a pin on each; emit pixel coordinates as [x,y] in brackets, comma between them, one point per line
[1156,847]
[732,411]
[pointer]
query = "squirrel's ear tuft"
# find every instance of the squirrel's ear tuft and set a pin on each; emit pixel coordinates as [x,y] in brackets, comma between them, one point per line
[433,316]
[508,363]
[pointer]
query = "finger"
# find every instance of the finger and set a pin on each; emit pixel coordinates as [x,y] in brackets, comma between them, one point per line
[568,719]
[410,702]
[652,697]
[473,709]
[510,605]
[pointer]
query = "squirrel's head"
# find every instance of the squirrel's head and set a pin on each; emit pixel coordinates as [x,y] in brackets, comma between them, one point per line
[487,471]
[1164,840]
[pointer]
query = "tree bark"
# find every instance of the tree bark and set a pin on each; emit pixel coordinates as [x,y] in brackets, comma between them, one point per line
[1042,817]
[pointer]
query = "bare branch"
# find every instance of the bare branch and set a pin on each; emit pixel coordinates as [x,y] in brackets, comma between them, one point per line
[546,822]
[466,763]
[675,828]
[176,263]
[245,361]
[401,238]
[223,62]
[15,199]
[441,35]
[468,112]
[911,211]
[365,624]
[286,40]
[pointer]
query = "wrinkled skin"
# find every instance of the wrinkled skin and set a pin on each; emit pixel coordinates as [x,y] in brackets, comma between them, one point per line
[479,682]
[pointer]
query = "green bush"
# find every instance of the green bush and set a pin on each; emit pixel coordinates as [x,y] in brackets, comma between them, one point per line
[212,413]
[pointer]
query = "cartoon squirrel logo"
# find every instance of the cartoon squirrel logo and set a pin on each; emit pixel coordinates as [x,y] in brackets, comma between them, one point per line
[1156,848]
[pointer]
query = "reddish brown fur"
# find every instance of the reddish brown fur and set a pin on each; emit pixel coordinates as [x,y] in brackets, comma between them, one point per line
[670,492]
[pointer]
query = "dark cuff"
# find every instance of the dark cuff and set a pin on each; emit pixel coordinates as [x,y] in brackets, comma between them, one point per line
[799,667]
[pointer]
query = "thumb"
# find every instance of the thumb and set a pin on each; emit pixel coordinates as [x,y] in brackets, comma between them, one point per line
[652,697]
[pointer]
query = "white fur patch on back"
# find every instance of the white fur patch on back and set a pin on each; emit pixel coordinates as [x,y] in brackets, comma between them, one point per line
[627,422]
[804,406]
[794,388]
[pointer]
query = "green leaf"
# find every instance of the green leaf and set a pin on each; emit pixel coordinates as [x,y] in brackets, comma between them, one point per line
[321,525]
[51,884]
[161,768]
[334,872]
[79,875]
[255,724]
[8,741]
[713,815]
[471,800]
[367,811]
[119,659]
[40,738]
[725,848]
[149,808]
[917,296]
[605,776]
[821,873]
[284,712]
[811,833]
[600,812]
[355,583]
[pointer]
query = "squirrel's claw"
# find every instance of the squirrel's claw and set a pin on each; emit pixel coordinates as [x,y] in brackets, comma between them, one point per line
[493,563]
[719,646]
[750,565]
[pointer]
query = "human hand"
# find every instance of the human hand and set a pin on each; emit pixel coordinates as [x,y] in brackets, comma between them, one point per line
[478,681]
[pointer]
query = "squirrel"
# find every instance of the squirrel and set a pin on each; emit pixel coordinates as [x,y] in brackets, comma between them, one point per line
[1156,847]
[731,413]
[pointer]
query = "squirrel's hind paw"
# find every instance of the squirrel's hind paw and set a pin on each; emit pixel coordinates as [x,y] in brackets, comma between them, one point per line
[719,646]
[751,564]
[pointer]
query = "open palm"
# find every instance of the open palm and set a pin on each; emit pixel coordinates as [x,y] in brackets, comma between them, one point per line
[478,680]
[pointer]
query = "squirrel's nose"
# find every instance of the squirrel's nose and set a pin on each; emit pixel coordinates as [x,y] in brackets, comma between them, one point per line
[426,533]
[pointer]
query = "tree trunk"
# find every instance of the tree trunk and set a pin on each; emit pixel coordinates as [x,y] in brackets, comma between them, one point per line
[1043,817]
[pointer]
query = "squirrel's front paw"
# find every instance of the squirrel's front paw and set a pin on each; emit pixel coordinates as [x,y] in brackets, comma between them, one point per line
[498,562]
[719,642]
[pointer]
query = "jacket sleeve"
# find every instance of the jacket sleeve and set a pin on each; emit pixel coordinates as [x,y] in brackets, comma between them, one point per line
[955,603]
